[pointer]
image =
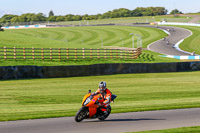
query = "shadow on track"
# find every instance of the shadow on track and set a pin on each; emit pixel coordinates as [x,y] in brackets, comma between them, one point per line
[141,119]
[125,120]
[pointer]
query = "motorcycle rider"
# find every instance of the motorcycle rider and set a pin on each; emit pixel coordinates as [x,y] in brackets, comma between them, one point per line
[105,94]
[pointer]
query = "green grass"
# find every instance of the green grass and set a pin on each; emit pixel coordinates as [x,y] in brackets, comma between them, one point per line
[71,37]
[192,14]
[58,97]
[78,37]
[175,130]
[191,43]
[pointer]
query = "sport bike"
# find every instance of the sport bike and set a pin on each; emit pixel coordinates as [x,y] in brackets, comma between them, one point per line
[91,107]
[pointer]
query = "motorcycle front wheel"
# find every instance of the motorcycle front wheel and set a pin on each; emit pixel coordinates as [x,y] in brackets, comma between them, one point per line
[81,114]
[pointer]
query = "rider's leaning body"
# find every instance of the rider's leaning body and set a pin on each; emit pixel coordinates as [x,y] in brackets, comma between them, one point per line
[105,94]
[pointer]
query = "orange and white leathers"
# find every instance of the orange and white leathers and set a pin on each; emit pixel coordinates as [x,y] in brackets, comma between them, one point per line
[106,95]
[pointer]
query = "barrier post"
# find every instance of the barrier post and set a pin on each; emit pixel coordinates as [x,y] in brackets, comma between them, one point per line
[125,53]
[75,53]
[5,53]
[105,53]
[33,53]
[59,54]
[42,53]
[134,54]
[117,50]
[50,53]
[67,53]
[83,50]
[90,53]
[111,53]
[121,54]
[24,53]
[15,53]
[98,53]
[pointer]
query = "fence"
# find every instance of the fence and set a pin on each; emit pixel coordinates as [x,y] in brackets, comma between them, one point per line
[68,53]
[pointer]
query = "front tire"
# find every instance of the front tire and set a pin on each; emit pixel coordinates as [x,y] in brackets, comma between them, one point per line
[81,114]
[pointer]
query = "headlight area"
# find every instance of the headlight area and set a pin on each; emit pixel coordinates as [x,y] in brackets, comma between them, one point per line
[87,101]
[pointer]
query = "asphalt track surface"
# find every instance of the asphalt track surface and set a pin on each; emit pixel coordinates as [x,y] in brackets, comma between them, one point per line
[175,36]
[115,123]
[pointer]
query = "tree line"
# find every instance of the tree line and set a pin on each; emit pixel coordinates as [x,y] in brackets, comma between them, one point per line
[116,13]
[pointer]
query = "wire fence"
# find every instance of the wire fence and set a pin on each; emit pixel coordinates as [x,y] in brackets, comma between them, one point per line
[68,53]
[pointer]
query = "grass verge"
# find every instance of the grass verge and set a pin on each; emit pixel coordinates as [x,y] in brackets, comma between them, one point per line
[175,130]
[191,43]
[59,97]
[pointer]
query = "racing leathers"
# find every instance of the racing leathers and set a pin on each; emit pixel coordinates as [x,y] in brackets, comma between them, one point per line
[106,95]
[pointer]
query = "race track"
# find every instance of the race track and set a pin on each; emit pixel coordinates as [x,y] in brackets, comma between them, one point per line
[176,35]
[116,123]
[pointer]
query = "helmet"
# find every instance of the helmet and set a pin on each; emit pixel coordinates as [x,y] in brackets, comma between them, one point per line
[102,86]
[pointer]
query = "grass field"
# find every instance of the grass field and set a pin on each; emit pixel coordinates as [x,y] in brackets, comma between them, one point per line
[192,43]
[79,37]
[57,97]
[176,130]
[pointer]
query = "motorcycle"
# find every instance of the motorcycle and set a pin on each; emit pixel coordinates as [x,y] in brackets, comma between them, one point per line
[91,107]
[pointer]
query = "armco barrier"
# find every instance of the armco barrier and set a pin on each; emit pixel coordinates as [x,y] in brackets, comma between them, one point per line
[22,72]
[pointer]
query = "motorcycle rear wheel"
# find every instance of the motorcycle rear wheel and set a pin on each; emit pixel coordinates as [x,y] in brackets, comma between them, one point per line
[103,117]
[81,114]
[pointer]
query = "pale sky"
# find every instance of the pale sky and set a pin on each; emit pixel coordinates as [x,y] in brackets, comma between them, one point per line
[91,7]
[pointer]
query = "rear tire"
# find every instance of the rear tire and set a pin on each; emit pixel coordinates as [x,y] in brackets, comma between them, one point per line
[81,114]
[103,117]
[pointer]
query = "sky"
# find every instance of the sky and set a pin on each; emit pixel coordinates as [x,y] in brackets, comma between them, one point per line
[91,7]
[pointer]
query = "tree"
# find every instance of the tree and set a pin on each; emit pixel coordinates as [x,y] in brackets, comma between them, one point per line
[149,11]
[136,12]
[60,18]
[51,13]
[52,19]
[176,11]
[39,17]
[69,17]
[15,19]
[7,18]
[116,13]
